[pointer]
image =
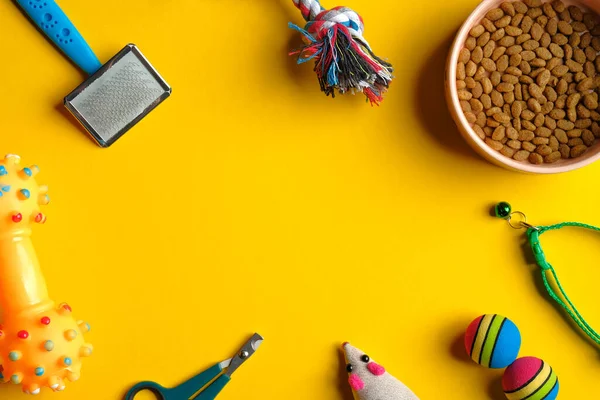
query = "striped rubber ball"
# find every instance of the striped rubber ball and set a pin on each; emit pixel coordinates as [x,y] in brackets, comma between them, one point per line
[530,378]
[493,341]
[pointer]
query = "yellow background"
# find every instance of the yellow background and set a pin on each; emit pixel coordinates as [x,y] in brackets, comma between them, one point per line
[249,202]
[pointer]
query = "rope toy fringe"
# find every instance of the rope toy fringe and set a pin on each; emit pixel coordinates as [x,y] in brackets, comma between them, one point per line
[343,58]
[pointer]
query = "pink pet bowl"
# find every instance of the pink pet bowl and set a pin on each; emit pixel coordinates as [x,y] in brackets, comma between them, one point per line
[591,155]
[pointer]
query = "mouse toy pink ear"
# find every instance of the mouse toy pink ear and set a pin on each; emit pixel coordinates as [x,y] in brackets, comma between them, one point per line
[344,61]
[369,380]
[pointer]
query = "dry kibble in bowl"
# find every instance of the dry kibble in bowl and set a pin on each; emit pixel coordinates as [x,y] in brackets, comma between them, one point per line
[528,79]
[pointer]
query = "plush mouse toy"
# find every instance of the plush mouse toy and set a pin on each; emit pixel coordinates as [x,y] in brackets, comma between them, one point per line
[370,381]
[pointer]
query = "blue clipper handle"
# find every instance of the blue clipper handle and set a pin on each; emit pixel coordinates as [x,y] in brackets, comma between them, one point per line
[48,16]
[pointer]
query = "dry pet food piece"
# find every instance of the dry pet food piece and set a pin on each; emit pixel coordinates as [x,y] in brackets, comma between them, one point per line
[574,133]
[548,10]
[552,157]
[464,56]
[471,68]
[499,133]
[494,144]
[583,123]
[543,132]
[550,94]
[588,137]
[528,115]
[479,131]
[552,26]
[590,21]
[590,101]
[590,53]
[546,108]
[477,31]
[574,40]
[525,37]
[558,6]
[471,118]
[508,9]
[498,52]
[550,123]
[561,136]
[530,146]
[471,43]
[495,78]
[577,151]
[480,74]
[579,27]
[573,99]
[502,63]
[528,83]
[526,136]
[520,7]
[488,49]
[477,55]
[512,133]
[564,16]
[476,105]
[521,155]
[507,152]
[583,112]
[589,69]
[576,13]
[560,39]
[483,39]
[503,22]
[565,151]
[465,105]
[565,27]
[488,25]
[535,158]
[543,53]
[560,70]
[502,118]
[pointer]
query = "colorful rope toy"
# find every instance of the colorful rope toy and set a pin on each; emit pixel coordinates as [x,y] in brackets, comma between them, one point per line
[41,344]
[344,61]
[518,220]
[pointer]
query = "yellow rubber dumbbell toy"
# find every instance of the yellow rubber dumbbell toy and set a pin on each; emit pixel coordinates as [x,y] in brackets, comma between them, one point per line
[41,344]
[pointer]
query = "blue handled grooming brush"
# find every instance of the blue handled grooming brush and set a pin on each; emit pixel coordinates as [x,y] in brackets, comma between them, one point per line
[118,94]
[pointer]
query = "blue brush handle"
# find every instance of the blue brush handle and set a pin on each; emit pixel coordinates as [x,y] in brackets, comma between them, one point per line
[48,16]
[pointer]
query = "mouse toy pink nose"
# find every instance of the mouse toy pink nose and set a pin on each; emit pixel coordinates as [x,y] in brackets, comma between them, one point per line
[375,369]
[356,383]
